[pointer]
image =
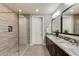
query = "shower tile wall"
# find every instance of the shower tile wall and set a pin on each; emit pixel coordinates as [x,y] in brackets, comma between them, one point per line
[8,40]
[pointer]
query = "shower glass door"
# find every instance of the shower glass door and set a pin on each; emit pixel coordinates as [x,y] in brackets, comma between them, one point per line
[24,33]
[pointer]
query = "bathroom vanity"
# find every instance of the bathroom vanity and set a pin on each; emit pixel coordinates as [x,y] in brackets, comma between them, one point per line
[67,24]
[60,47]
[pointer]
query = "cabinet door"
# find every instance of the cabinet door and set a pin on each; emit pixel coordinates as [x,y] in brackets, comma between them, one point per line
[59,52]
[47,44]
[53,49]
[50,46]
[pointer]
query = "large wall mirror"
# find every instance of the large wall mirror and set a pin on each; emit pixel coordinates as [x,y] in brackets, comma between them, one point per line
[56,24]
[70,17]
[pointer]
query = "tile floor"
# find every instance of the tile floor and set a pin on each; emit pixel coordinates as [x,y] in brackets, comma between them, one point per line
[36,50]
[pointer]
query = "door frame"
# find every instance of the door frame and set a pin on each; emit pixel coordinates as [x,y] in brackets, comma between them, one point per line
[42,28]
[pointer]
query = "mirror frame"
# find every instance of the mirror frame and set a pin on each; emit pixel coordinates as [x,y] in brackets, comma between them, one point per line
[62,23]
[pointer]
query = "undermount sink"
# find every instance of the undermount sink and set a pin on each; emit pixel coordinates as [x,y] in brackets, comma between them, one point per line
[71,40]
[67,45]
[61,41]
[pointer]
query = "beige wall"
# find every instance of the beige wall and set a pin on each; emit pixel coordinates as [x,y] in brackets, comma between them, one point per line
[8,40]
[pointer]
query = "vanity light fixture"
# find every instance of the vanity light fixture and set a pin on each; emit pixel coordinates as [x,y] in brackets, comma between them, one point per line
[37,10]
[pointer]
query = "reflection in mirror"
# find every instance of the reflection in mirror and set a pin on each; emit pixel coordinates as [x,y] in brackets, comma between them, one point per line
[71,20]
[56,24]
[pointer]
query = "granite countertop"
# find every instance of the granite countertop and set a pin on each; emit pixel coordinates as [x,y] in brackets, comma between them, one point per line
[66,46]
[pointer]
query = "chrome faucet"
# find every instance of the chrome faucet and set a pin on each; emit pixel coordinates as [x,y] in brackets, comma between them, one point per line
[71,40]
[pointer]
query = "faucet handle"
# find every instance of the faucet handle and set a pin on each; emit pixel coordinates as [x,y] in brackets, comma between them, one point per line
[72,41]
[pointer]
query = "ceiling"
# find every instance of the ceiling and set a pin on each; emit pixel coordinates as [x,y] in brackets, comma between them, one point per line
[29,8]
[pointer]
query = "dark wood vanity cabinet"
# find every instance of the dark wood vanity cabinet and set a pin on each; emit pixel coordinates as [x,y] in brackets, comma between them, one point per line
[53,49]
[59,51]
[50,47]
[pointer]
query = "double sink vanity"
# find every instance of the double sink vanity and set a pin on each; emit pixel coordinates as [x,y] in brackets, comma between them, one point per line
[67,26]
[63,45]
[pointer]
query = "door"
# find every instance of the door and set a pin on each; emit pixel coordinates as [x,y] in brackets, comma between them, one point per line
[37,30]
